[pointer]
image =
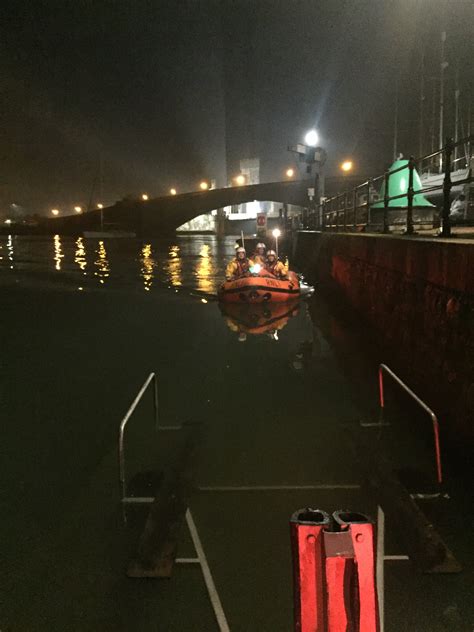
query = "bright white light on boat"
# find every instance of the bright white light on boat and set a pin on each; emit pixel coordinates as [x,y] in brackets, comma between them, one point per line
[203,300]
[276,233]
[256,268]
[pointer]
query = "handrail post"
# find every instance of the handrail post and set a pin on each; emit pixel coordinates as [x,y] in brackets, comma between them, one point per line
[155,400]
[345,211]
[123,423]
[421,403]
[386,202]
[448,150]
[369,183]
[354,208]
[410,195]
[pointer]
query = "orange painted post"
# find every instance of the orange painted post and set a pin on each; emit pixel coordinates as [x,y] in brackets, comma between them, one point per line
[334,572]
[306,528]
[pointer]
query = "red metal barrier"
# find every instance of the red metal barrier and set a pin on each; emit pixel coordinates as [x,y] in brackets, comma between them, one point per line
[334,572]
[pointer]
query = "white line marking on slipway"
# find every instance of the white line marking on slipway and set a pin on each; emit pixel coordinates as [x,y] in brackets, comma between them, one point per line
[273,488]
[211,587]
[389,558]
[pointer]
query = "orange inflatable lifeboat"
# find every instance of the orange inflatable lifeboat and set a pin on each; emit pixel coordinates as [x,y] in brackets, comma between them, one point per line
[262,287]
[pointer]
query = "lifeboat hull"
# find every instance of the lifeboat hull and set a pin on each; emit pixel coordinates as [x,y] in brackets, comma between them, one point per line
[260,289]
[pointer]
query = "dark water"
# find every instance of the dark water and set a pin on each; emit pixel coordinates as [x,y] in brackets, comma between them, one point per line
[83,322]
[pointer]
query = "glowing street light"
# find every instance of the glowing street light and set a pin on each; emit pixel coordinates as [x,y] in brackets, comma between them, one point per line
[276,233]
[8,221]
[240,180]
[204,185]
[144,197]
[101,206]
[173,191]
[78,209]
[347,165]
[290,172]
[54,211]
[311,138]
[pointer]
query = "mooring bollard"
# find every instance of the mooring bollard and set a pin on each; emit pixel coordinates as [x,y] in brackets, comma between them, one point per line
[334,572]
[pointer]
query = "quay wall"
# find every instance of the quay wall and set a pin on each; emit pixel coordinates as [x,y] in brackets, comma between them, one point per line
[416,297]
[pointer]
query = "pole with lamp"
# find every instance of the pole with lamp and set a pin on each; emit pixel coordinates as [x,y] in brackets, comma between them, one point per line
[312,154]
[276,233]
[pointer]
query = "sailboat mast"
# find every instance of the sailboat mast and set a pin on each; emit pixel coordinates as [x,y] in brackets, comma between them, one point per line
[442,68]
[395,124]
[422,103]
[457,93]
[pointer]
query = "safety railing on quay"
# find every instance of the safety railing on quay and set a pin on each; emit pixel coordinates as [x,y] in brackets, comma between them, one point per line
[353,210]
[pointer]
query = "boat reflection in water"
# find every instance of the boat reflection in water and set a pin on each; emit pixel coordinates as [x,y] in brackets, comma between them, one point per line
[258,318]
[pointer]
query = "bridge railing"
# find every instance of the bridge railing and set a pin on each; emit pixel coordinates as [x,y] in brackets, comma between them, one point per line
[354,210]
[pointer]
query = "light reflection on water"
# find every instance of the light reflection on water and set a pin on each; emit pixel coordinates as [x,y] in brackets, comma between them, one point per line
[102,263]
[58,253]
[195,262]
[10,251]
[147,267]
[204,269]
[80,255]
[173,266]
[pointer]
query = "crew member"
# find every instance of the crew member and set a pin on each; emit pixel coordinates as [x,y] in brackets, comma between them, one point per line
[259,254]
[274,266]
[239,266]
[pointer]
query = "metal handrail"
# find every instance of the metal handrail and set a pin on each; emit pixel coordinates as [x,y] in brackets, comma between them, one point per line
[151,378]
[421,403]
[329,215]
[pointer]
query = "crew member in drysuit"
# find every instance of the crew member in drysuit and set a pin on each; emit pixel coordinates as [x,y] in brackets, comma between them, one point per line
[259,254]
[275,267]
[239,266]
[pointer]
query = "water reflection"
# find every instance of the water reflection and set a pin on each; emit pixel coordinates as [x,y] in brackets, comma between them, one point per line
[258,319]
[204,269]
[148,264]
[58,253]
[10,250]
[174,266]
[80,255]
[102,263]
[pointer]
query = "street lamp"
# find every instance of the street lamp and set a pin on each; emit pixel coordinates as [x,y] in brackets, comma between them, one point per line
[290,172]
[78,209]
[347,165]
[144,197]
[54,211]
[276,233]
[204,185]
[173,191]
[101,206]
[240,180]
[8,221]
[311,138]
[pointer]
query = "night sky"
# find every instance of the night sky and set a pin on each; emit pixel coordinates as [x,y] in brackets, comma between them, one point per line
[166,93]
